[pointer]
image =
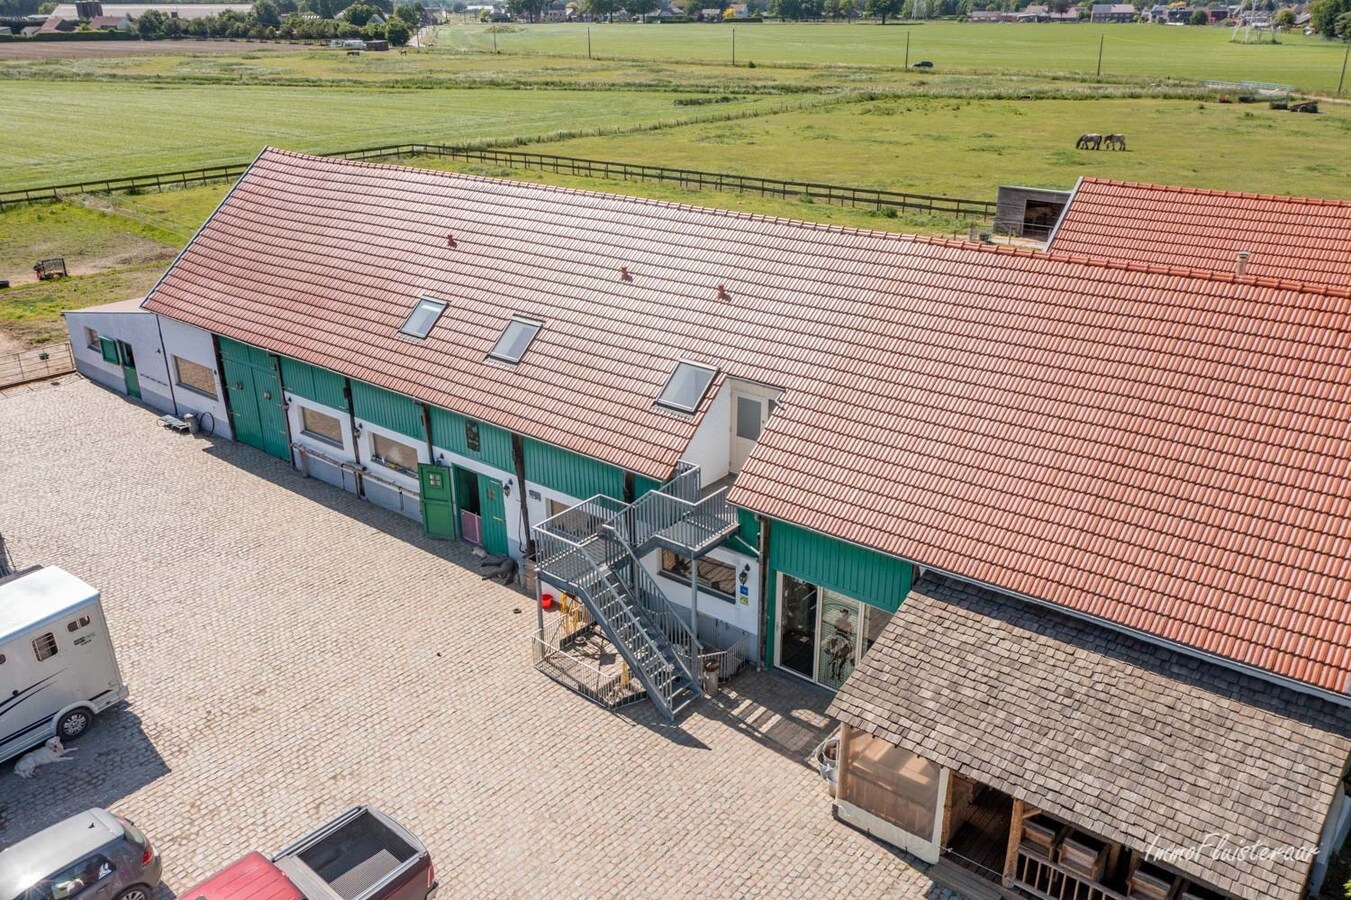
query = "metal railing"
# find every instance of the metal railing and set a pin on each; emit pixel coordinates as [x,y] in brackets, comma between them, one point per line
[685,484]
[816,192]
[662,612]
[620,616]
[731,660]
[47,361]
[609,689]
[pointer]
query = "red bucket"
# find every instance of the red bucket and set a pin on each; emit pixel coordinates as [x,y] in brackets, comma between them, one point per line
[546,601]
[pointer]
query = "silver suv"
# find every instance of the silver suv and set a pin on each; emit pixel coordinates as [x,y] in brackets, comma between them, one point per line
[94,855]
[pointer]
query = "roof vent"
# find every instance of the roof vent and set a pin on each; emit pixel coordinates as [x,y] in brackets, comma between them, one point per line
[722,293]
[1241,264]
[624,274]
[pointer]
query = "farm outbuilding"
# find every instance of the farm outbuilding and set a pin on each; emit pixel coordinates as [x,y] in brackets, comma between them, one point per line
[773,452]
[1028,212]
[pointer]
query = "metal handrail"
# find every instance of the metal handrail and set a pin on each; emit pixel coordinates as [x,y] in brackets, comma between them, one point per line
[622,618]
[662,613]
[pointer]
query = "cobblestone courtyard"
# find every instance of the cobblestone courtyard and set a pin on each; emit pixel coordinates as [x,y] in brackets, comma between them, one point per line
[292,650]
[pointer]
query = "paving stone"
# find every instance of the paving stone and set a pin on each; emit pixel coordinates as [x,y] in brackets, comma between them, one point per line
[292,650]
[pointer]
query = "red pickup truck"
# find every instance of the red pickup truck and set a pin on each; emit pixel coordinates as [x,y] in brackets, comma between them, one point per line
[361,855]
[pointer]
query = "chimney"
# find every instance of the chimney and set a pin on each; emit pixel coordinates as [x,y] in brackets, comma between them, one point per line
[1241,264]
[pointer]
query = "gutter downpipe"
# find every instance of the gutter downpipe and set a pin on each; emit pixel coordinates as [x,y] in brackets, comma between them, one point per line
[765,599]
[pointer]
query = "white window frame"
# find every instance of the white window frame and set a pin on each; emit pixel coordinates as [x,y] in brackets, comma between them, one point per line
[316,436]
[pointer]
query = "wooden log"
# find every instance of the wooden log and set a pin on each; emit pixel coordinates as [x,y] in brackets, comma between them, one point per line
[1015,835]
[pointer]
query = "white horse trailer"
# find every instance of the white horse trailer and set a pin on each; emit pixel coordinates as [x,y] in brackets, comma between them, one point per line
[57,669]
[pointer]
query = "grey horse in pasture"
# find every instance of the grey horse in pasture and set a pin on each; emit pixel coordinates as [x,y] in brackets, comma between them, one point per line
[1089,142]
[1115,141]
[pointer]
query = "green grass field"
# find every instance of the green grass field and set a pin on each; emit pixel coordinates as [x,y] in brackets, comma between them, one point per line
[963,148]
[1155,51]
[65,131]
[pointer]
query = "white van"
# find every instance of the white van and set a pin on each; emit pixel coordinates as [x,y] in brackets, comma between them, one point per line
[57,669]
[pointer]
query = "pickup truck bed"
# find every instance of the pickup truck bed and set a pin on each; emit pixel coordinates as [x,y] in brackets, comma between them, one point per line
[350,857]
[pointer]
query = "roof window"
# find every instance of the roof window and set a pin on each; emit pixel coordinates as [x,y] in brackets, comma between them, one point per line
[424,315]
[515,339]
[686,387]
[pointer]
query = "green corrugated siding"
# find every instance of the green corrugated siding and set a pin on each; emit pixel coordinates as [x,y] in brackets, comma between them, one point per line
[448,432]
[314,383]
[387,409]
[243,353]
[571,473]
[750,527]
[876,579]
[644,485]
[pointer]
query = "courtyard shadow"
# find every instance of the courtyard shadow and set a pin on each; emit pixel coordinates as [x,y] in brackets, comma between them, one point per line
[282,474]
[113,759]
[777,711]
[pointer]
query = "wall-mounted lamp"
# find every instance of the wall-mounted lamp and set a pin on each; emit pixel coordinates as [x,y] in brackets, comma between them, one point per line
[745,574]
[356,427]
[440,459]
[506,488]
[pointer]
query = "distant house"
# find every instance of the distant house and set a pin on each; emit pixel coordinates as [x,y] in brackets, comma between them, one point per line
[740,10]
[985,15]
[110,23]
[1112,12]
[30,30]
[376,19]
[56,24]
[1157,14]
[5,29]
[712,14]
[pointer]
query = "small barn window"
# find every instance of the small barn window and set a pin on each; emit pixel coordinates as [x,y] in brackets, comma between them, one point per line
[75,625]
[515,339]
[91,340]
[320,425]
[393,454]
[471,438]
[195,377]
[44,647]
[424,315]
[686,387]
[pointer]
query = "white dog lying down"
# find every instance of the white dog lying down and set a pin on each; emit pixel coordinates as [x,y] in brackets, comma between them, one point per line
[50,752]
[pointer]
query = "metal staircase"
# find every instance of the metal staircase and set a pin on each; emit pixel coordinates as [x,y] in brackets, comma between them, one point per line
[594,550]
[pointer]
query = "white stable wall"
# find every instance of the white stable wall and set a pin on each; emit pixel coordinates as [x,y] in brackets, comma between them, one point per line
[316,463]
[195,345]
[745,616]
[711,447]
[384,486]
[139,329]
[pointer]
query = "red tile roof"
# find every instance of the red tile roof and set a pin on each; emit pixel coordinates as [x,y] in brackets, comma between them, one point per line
[1157,450]
[1289,238]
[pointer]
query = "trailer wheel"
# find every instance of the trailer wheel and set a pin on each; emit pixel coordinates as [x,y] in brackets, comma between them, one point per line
[74,723]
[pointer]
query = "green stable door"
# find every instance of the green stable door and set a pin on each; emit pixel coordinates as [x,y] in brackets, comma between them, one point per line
[481,506]
[119,353]
[254,392]
[438,502]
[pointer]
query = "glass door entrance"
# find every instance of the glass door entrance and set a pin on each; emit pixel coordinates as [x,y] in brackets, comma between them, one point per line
[822,633]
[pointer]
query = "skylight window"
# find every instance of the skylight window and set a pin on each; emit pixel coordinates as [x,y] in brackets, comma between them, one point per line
[420,321]
[515,339]
[686,386]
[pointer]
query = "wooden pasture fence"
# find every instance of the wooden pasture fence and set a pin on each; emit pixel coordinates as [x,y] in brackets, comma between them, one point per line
[35,364]
[695,179]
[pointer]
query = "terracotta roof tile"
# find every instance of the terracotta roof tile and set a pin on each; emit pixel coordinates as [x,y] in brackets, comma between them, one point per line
[1153,448]
[1293,242]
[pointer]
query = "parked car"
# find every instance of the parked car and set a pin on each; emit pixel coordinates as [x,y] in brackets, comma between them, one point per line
[360,855]
[94,855]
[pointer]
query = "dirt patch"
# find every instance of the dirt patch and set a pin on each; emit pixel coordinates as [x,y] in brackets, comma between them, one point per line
[94,49]
[132,250]
[10,344]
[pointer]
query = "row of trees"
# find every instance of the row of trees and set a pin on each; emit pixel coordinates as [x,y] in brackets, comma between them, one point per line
[292,20]
[1331,18]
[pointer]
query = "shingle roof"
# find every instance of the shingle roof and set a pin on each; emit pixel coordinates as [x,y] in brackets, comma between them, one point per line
[1123,738]
[1161,451]
[1290,238]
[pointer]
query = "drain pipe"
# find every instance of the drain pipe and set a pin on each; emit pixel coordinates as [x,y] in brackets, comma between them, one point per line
[765,598]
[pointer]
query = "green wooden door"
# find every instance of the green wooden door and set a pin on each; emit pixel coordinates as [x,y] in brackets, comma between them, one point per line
[128,360]
[239,390]
[438,502]
[254,391]
[494,511]
[271,413]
